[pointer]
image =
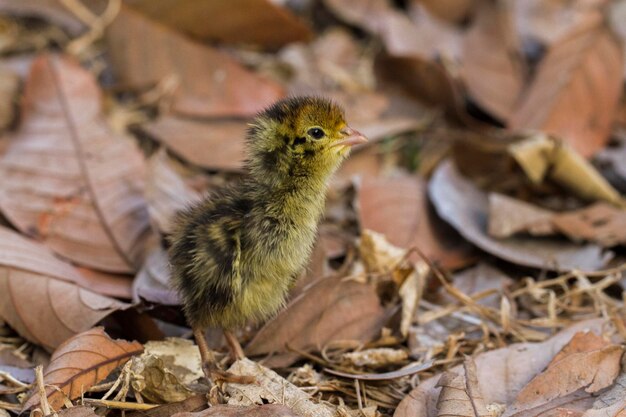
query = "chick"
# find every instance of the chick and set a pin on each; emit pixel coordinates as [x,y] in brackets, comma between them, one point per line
[235,255]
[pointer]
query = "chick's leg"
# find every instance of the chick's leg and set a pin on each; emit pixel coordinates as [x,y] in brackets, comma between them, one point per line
[236,350]
[209,363]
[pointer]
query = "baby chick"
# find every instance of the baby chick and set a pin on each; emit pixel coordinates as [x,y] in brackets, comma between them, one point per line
[235,255]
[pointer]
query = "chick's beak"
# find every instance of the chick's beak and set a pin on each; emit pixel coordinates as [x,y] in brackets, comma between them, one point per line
[351,137]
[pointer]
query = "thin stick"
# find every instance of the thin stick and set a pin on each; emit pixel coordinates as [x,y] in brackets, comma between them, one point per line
[120,405]
[43,398]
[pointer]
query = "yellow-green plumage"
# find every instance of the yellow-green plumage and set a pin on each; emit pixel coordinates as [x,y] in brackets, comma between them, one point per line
[235,255]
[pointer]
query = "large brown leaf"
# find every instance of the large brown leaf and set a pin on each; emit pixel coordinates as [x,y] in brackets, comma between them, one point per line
[40,296]
[576,90]
[492,66]
[332,308]
[264,22]
[81,362]
[211,83]
[398,208]
[68,179]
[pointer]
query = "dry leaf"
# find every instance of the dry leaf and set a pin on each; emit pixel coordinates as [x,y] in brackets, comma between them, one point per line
[378,357]
[330,309]
[541,156]
[455,11]
[480,278]
[398,208]
[211,83]
[166,192]
[197,402]
[465,207]
[509,216]
[587,367]
[68,179]
[81,362]
[153,281]
[78,411]
[460,394]
[264,22]
[104,283]
[28,271]
[9,86]
[579,108]
[501,373]
[265,410]
[271,388]
[492,66]
[49,10]
[209,144]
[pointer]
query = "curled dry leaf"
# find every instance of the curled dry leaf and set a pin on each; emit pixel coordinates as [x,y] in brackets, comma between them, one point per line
[465,207]
[272,388]
[332,308]
[581,106]
[81,362]
[492,66]
[211,83]
[68,179]
[166,192]
[264,22]
[28,271]
[398,208]
[460,394]
[501,373]
[191,140]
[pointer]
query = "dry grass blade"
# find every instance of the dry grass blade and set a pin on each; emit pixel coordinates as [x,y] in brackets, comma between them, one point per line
[28,271]
[81,362]
[68,179]
[579,107]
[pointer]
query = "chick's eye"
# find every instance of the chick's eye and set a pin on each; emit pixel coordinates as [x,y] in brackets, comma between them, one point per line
[316,133]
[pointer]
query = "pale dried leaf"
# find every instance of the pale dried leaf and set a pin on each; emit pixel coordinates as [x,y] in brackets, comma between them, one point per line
[28,271]
[492,66]
[509,216]
[460,394]
[211,83]
[454,11]
[600,222]
[153,280]
[81,362]
[265,410]
[411,292]
[264,22]
[68,179]
[211,144]
[271,388]
[378,357]
[465,207]
[580,107]
[330,309]
[9,85]
[480,278]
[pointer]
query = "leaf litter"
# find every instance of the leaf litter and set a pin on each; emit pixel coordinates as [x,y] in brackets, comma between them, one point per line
[462,269]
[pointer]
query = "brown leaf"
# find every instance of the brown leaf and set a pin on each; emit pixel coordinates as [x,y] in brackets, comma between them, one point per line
[166,192]
[501,373]
[78,411]
[28,271]
[68,179]
[398,208]
[9,86]
[330,309]
[81,362]
[482,277]
[195,403]
[211,83]
[454,11]
[264,22]
[492,66]
[576,368]
[600,222]
[266,410]
[104,283]
[579,108]
[465,207]
[153,281]
[460,394]
[192,140]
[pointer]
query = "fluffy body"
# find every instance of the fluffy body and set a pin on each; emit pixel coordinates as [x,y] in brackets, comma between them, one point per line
[235,255]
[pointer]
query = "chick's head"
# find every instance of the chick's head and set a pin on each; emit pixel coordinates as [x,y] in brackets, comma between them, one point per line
[300,137]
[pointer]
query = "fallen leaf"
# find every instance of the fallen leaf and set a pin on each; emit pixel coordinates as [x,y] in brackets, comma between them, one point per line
[271,388]
[541,156]
[377,357]
[460,394]
[264,410]
[501,373]
[480,278]
[166,192]
[509,216]
[63,166]
[465,207]
[103,283]
[264,22]
[330,309]
[81,362]
[492,66]
[28,271]
[454,11]
[398,208]
[213,144]
[211,83]
[9,86]
[197,402]
[50,10]
[591,370]
[153,280]
[78,411]
[580,107]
